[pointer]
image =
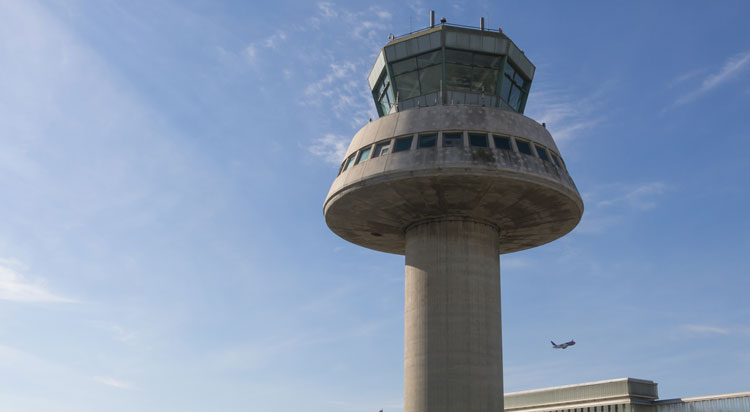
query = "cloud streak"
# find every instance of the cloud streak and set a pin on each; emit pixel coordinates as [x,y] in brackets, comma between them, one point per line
[115,383]
[731,68]
[609,204]
[566,114]
[330,148]
[16,288]
[271,42]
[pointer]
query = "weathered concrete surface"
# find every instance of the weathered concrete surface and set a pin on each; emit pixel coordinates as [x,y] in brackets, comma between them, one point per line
[532,201]
[453,341]
[452,117]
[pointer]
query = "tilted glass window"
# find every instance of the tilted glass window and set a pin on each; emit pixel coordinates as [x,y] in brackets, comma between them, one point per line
[417,76]
[429,79]
[478,140]
[427,140]
[502,142]
[348,163]
[429,59]
[408,85]
[404,66]
[542,152]
[556,160]
[364,154]
[402,144]
[453,139]
[513,89]
[458,77]
[385,94]
[381,149]
[472,72]
[524,147]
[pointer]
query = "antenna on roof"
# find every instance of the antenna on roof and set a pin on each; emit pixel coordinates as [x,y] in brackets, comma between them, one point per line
[432,18]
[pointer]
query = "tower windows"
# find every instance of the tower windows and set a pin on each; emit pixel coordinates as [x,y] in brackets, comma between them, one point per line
[418,75]
[364,154]
[556,160]
[348,163]
[502,142]
[402,144]
[513,90]
[478,140]
[384,94]
[523,147]
[427,140]
[449,139]
[542,152]
[453,139]
[472,72]
[381,149]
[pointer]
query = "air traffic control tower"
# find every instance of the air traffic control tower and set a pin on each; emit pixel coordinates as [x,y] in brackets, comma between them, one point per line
[452,175]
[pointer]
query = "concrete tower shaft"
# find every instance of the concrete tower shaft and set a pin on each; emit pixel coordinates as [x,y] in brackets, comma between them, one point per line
[453,342]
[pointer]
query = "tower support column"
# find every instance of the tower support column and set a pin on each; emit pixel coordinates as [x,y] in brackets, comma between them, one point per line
[453,338]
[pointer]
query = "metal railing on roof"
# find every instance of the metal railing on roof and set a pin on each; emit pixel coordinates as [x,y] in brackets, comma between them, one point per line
[463,26]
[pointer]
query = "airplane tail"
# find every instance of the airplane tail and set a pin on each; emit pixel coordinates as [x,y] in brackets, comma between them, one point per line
[553,343]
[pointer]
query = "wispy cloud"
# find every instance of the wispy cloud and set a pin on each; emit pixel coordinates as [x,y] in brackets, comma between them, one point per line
[643,196]
[330,147]
[696,330]
[566,114]
[608,205]
[271,42]
[17,288]
[731,68]
[705,330]
[115,383]
[685,77]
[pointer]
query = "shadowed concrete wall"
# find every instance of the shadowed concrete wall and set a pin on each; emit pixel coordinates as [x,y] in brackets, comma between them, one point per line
[453,341]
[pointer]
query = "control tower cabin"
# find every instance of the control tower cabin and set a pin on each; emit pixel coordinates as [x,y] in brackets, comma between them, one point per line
[452,175]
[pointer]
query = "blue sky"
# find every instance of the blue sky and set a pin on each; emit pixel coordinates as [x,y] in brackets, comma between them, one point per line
[164,165]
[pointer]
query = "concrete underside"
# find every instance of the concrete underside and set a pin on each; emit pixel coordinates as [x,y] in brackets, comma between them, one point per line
[530,211]
[453,341]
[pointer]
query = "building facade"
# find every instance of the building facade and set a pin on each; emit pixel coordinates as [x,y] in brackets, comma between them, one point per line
[619,395]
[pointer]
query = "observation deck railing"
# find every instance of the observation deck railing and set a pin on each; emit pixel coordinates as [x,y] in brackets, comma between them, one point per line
[463,26]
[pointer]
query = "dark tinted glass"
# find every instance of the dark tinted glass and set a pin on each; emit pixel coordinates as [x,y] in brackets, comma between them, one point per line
[542,153]
[430,78]
[453,139]
[457,56]
[556,160]
[487,60]
[402,144]
[404,66]
[523,146]
[478,140]
[379,149]
[515,97]
[484,80]
[429,59]
[505,90]
[408,85]
[458,77]
[502,142]
[427,140]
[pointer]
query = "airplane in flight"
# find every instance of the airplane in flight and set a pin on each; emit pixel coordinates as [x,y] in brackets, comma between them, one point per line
[562,345]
